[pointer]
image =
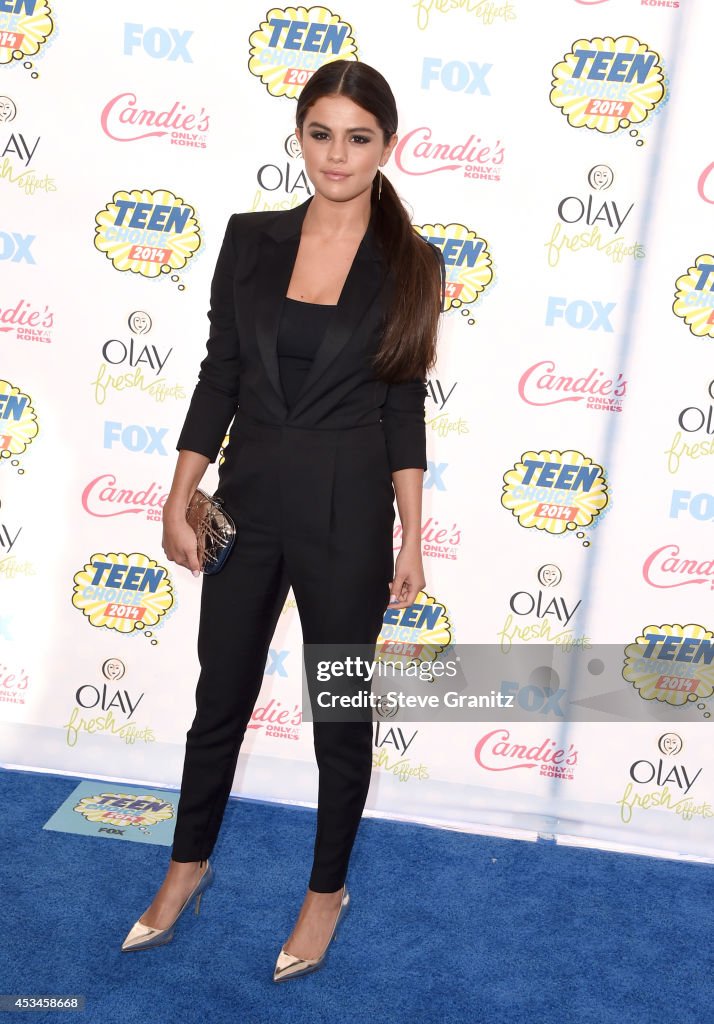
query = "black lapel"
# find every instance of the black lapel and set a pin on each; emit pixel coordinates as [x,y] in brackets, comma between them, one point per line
[276,259]
[278,251]
[359,291]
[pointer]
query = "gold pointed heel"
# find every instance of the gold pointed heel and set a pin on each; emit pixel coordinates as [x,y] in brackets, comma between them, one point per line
[289,966]
[143,936]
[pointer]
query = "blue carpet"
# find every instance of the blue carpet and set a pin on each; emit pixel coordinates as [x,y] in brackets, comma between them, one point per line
[443,926]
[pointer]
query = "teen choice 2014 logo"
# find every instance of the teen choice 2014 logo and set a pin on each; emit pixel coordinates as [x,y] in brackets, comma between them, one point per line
[127,593]
[25,26]
[469,267]
[671,663]
[124,809]
[292,43]
[417,633]
[148,233]
[608,84]
[18,421]
[694,298]
[555,491]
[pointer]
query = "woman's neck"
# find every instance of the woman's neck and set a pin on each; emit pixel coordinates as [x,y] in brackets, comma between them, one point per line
[328,219]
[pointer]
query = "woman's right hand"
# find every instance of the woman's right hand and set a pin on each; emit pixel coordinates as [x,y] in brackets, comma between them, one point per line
[178,539]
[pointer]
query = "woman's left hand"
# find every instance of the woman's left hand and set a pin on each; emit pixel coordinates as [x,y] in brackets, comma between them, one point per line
[408,576]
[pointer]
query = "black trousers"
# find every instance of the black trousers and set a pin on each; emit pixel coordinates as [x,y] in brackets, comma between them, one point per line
[313,510]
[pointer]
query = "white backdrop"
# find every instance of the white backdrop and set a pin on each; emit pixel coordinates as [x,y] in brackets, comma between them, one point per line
[556,150]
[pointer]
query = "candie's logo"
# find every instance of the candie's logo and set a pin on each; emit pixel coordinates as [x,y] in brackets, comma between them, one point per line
[672,664]
[291,44]
[608,84]
[694,298]
[555,491]
[27,323]
[469,267]
[104,498]
[666,568]
[497,753]
[418,153]
[437,541]
[125,119]
[18,421]
[123,592]
[543,384]
[278,721]
[148,233]
[25,26]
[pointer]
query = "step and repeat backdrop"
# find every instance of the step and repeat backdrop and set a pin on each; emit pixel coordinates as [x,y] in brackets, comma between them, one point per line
[559,153]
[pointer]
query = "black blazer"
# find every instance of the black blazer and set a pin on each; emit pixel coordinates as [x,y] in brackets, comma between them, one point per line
[241,366]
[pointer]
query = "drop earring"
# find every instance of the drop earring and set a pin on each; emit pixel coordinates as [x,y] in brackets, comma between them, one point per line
[379,189]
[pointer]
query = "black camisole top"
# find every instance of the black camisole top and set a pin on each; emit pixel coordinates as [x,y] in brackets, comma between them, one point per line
[302,328]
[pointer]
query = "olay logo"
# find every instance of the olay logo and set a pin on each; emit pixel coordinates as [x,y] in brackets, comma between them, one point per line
[665,568]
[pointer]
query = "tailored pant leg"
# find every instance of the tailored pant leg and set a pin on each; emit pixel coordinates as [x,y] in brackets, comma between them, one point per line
[240,607]
[343,750]
[340,578]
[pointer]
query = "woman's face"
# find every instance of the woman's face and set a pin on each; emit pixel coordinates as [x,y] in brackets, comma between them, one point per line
[342,146]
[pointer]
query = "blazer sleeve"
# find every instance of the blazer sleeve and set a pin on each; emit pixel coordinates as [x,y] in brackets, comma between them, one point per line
[403,411]
[215,397]
[404,426]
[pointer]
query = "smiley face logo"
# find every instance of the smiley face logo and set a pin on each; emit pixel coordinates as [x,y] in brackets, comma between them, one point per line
[549,575]
[8,110]
[140,322]
[113,669]
[600,177]
[670,743]
[292,147]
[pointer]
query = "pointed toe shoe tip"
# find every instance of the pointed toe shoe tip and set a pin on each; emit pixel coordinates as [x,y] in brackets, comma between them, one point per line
[289,966]
[142,936]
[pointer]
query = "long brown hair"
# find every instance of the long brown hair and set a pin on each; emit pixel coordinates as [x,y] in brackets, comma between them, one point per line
[408,347]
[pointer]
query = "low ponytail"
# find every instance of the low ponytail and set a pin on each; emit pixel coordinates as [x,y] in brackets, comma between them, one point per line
[408,348]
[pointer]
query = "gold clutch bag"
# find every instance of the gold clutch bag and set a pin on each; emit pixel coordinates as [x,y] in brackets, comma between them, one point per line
[215,531]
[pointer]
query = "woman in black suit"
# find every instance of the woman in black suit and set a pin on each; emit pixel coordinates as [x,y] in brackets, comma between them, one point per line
[323,327]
